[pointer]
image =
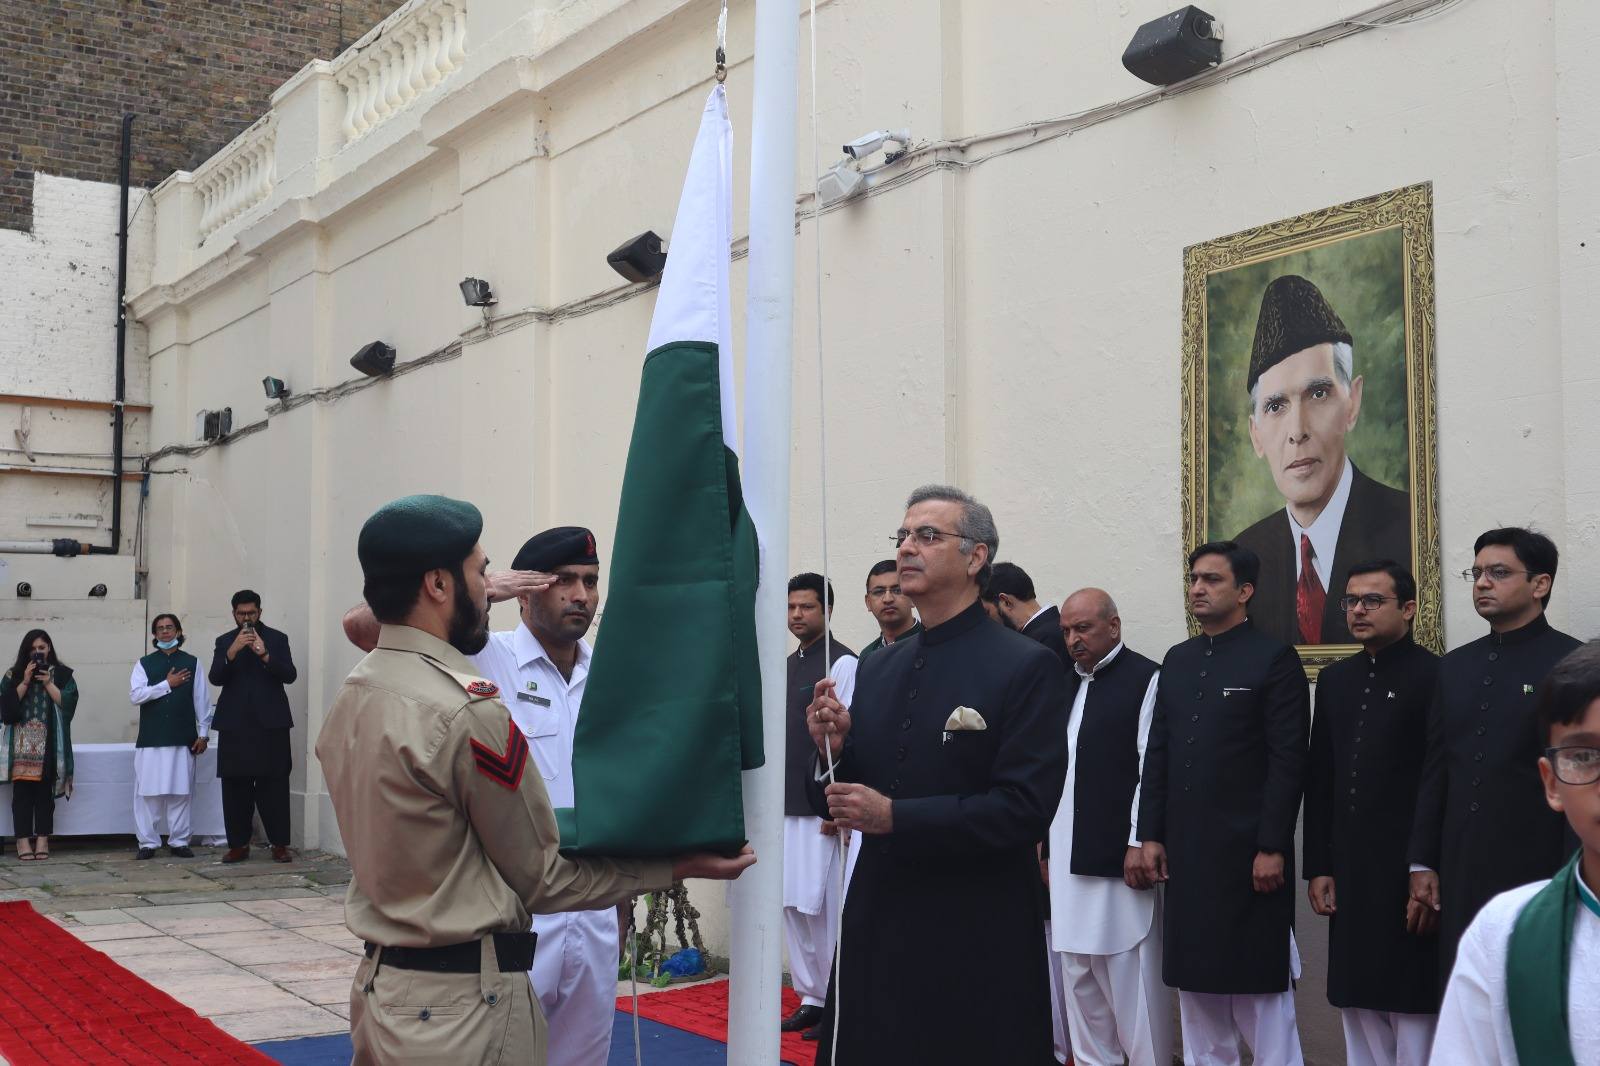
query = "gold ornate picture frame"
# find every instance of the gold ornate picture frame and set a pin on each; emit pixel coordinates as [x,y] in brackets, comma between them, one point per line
[1368,267]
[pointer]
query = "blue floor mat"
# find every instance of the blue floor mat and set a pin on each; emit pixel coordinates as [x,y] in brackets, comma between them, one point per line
[662,1046]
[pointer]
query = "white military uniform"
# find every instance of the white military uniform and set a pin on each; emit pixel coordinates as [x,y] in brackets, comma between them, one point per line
[1105,935]
[163,778]
[574,971]
[811,888]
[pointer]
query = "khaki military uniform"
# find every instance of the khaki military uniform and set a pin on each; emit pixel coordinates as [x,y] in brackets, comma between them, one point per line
[451,838]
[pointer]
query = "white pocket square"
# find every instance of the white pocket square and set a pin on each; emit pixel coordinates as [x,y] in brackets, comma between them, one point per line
[964,718]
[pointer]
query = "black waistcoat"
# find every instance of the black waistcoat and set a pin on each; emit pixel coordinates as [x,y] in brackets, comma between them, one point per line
[1482,821]
[1107,761]
[1368,740]
[805,670]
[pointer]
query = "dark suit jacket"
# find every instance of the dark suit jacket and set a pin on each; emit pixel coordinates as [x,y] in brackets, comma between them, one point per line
[252,691]
[1046,629]
[1377,525]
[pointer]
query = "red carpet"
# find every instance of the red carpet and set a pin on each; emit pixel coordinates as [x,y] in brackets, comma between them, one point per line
[61,1001]
[703,1010]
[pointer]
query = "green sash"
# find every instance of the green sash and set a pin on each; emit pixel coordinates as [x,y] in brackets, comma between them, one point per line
[1536,988]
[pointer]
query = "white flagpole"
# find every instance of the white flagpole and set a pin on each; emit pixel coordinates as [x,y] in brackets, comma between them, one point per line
[757,897]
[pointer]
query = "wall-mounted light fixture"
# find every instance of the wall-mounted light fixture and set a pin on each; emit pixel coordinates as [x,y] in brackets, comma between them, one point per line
[374,360]
[640,258]
[98,592]
[274,388]
[477,293]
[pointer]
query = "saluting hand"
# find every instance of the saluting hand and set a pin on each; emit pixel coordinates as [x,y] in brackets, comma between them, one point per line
[1267,871]
[1320,893]
[509,584]
[827,719]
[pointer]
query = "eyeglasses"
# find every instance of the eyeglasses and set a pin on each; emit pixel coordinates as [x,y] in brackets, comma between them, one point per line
[1371,601]
[884,590]
[926,536]
[1494,573]
[1576,764]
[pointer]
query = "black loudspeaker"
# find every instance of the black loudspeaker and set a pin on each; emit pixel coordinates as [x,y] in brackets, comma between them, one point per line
[374,360]
[639,259]
[1174,47]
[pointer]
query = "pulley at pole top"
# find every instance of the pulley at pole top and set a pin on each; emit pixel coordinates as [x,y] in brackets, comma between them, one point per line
[720,71]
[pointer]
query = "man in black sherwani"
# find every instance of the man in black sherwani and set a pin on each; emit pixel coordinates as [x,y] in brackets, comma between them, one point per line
[1223,773]
[252,664]
[1368,740]
[951,762]
[1482,824]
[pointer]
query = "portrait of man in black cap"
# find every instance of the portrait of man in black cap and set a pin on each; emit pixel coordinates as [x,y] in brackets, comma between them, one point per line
[1309,425]
[1305,397]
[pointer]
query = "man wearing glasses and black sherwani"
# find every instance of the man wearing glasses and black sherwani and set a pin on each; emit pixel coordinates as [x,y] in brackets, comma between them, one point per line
[1482,823]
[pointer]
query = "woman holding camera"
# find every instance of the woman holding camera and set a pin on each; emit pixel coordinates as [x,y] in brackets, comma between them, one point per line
[37,698]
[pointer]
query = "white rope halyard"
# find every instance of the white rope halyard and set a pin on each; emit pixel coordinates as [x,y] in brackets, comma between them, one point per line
[842,837]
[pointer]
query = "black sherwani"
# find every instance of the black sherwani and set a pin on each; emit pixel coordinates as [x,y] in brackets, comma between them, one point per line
[1223,773]
[1482,821]
[951,894]
[1376,525]
[1046,629]
[252,723]
[1368,741]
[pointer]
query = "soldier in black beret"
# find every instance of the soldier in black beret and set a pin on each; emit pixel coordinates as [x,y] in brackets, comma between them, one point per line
[445,811]
[1304,399]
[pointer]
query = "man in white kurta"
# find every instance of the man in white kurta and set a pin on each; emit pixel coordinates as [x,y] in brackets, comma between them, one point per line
[163,773]
[812,883]
[1104,932]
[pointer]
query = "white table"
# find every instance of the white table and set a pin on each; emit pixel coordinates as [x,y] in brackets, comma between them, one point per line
[102,796]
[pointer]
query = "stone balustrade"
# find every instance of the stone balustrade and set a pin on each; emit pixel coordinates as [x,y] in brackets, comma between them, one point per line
[237,178]
[411,51]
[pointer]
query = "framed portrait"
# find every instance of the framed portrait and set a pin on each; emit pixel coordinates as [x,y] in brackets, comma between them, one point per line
[1308,409]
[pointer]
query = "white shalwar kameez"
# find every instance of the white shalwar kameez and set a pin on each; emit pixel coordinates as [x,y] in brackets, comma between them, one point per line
[812,893]
[1105,935]
[574,970]
[1474,1025]
[163,778]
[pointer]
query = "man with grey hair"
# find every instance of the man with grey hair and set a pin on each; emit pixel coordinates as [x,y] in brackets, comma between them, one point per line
[1304,399]
[951,774]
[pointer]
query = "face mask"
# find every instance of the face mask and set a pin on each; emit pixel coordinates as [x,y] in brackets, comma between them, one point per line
[167,645]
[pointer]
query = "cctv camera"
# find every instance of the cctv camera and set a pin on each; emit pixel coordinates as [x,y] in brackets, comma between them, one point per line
[865,145]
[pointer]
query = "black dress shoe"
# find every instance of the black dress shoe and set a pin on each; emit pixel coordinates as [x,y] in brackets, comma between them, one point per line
[804,1018]
[813,1033]
[146,853]
[180,852]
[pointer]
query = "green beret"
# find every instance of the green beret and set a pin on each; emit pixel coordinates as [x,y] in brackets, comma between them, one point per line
[415,534]
[1294,317]
[562,546]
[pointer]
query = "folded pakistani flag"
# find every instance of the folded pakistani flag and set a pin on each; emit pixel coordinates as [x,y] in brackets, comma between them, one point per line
[672,713]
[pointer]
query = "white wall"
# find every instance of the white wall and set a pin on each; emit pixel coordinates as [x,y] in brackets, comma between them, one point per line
[1012,325]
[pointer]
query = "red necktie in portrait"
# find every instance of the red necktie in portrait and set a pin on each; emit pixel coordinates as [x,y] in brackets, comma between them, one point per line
[1309,596]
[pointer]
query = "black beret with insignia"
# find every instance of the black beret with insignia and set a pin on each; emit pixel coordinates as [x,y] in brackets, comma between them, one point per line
[562,546]
[415,534]
[1294,317]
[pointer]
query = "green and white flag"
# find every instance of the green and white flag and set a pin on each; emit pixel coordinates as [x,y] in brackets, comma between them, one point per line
[672,710]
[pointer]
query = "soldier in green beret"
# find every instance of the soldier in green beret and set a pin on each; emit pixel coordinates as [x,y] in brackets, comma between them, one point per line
[452,842]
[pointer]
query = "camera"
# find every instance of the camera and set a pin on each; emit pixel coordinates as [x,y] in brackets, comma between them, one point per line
[866,144]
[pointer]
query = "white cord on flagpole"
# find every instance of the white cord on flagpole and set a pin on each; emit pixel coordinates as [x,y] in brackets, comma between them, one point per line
[842,836]
[633,980]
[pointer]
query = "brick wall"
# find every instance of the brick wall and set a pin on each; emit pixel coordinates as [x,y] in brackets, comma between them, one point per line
[195,71]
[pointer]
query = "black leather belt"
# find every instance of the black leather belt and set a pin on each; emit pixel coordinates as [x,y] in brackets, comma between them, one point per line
[513,951]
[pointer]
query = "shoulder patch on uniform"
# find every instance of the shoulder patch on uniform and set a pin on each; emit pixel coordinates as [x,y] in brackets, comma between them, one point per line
[503,769]
[481,687]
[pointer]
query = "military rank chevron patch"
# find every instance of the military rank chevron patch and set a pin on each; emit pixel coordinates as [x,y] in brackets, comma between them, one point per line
[503,769]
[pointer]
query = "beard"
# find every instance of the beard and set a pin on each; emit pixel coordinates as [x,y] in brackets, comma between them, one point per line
[469,625]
